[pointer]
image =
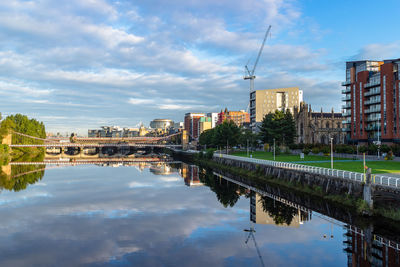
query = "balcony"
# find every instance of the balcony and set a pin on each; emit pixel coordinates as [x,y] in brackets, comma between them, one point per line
[374,91]
[346,98]
[372,83]
[346,91]
[372,110]
[346,114]
[371,128]
[347,105]
[346,83]
[374,118]
[372,101]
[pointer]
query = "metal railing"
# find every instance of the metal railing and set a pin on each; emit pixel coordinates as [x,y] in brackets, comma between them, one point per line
[355,176]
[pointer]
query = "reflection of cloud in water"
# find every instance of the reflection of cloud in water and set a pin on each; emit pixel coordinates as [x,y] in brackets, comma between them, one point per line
[100,220]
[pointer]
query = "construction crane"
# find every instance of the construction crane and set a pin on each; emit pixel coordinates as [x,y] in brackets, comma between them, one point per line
[251,232]
[249,74]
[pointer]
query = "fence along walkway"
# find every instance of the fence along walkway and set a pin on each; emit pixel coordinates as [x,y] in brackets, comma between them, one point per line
[355,176]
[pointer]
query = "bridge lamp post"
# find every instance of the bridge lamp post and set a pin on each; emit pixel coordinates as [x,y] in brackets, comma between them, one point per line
[331,152]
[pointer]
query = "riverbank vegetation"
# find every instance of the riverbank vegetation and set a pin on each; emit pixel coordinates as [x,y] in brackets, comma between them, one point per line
[356,205]
[21,124]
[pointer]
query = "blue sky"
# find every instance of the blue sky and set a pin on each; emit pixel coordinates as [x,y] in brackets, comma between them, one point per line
[82,64]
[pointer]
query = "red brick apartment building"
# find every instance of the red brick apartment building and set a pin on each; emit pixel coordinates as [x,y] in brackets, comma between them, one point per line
[192,124]
[238,117]
[371,101]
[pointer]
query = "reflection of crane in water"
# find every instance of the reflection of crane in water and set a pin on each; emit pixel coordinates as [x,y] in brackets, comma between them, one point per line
[251,232]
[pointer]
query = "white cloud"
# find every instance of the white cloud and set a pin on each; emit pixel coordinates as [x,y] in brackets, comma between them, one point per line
[379,51]
[137,101]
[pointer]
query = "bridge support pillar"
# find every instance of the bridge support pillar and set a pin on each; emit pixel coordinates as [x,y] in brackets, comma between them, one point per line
[6,169]
[7,139]
[185,140]
[62,150]
[81,154]
[368,190]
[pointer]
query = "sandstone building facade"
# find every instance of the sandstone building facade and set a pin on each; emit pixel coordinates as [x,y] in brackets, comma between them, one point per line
[317,127]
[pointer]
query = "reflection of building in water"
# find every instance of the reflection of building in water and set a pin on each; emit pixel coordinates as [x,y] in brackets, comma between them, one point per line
[277,213]
[190,174]
[162,169]
[366,249]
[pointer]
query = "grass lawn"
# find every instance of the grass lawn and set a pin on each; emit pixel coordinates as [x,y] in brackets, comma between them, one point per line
[284,157]
[351,165]
[357,166]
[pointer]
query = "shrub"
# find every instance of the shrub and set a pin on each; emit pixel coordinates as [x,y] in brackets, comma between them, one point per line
[326,150]
[209,153]
[395,149]
[293,146]
[287,151]
[349,149]
[315,150]
[362,149]
[385,148]
[372,149]
[306,151]
[389,156]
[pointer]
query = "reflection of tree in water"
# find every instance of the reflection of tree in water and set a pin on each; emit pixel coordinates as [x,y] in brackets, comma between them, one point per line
[23,175]
[281,213]
[227,193]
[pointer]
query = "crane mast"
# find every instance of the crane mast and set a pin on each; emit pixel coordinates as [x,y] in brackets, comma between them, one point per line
[249,74]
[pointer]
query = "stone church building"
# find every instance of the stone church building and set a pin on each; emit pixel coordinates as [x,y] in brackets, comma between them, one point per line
[317,127]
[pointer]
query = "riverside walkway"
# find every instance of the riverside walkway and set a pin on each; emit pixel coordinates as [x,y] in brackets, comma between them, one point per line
[377,179]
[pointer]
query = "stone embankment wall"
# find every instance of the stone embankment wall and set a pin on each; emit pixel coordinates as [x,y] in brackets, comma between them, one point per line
[329,185]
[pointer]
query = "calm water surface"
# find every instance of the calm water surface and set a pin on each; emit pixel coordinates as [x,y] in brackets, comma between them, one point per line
[159,216]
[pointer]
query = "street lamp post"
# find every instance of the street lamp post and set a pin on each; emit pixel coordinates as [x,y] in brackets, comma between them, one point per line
[379,145]
[247,147]
[274,149]
[331,152]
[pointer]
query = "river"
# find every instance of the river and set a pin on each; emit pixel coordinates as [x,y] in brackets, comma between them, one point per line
[169,215]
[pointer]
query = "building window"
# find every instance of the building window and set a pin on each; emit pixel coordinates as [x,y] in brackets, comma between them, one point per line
[384,104]
[354,109]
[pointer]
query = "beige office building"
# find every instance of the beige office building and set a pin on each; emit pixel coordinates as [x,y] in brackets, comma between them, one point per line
[267,101]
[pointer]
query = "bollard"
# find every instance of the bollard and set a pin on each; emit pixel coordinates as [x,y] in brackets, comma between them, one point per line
[367,192]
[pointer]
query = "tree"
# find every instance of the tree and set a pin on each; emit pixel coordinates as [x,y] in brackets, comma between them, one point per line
[226,134]
[207,138]
[250,137]
[279,126]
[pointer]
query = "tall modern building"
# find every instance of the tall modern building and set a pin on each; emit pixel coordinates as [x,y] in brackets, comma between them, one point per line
[371,101]
[214,118]
[192,124]
[267,101]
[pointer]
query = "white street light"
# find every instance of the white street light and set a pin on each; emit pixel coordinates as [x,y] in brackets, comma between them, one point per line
[331,152]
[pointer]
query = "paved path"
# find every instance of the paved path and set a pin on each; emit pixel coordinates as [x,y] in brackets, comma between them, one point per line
[323,161]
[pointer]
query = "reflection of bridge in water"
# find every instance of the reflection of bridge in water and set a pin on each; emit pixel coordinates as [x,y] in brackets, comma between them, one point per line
[23,140]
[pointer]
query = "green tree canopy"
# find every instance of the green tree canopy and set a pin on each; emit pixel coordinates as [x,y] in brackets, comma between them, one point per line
[227,133]
[279,126]
[22,124]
